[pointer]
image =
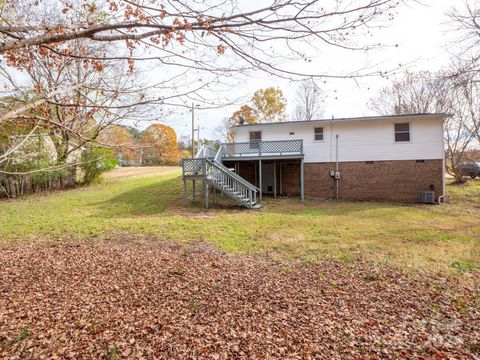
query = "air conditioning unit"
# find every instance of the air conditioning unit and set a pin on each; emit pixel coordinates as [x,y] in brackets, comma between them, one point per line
[427,197]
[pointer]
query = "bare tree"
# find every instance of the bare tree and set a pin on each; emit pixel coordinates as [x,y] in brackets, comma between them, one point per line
[309,101]
[94,96]
[459,138]
[163,23]
[414,93]
[465,21]
[224,131]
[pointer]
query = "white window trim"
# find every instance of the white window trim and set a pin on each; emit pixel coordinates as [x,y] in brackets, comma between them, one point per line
[409,131]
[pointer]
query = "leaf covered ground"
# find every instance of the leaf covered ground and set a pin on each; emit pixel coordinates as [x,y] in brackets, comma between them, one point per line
[151,299]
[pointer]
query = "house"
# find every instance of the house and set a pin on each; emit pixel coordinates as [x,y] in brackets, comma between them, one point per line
[382,158]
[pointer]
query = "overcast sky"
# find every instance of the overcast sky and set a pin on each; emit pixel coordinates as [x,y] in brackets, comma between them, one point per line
[423,40]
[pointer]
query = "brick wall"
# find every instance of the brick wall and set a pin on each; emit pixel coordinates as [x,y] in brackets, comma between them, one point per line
[399,180]
[290,178]
[246,169]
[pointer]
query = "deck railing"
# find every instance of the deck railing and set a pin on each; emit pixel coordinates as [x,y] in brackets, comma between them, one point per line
[195,167]
[206,151]
[262,148]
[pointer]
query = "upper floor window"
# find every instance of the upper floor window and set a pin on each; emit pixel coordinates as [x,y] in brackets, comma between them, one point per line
[255,138]
[255,135]
[318,133]
[402,132]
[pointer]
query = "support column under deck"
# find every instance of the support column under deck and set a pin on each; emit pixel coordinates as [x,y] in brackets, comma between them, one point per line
[302,187]
[185,200]
[205,192]
[274,178]
[260,177]
[281,178]
[193,190]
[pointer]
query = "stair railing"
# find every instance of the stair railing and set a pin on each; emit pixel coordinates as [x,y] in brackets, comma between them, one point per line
[233,184]
[206,151]
[219,155]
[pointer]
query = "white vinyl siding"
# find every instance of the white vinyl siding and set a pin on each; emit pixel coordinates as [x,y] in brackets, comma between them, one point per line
[359,140]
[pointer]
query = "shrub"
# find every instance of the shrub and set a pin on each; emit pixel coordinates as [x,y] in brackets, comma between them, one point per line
[95,162]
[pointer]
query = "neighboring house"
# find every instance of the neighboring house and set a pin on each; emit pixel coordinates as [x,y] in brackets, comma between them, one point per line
[385,158]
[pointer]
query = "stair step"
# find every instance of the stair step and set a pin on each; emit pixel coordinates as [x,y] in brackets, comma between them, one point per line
[226,188]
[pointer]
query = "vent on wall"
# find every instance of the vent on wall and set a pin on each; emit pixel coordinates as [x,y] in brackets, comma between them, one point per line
[427,197]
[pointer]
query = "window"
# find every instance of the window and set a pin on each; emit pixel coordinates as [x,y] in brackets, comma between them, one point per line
[318,133]
[402,132]
[255,138]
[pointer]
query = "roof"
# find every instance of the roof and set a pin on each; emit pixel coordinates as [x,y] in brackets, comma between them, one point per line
[364,118]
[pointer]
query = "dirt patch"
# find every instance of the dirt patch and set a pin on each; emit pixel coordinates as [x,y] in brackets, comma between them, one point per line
[140,300]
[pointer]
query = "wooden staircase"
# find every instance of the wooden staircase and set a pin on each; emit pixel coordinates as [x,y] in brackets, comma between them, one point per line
[207,167]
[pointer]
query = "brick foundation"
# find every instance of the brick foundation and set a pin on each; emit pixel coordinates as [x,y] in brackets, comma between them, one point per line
[400,180]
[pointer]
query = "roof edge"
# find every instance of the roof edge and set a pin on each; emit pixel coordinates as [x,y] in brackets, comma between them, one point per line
[346,119]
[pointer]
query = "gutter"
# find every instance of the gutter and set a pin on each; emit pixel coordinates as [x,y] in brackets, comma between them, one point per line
[351,119]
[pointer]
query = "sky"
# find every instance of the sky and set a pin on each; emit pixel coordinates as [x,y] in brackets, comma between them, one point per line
[423,37]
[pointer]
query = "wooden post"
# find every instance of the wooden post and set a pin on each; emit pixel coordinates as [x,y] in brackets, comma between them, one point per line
[260,177]
[193,190]
[274,178]
[206,194]
[281,178]
[184,192]
[302,187]
[214,194]
[184,184]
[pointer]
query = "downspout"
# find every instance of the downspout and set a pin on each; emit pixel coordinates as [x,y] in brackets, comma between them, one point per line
[336,165]
[441,198]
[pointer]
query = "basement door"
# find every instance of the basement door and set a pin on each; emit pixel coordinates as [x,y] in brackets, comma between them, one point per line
[267,178]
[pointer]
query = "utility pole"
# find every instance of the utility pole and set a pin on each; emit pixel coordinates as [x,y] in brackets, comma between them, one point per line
[198,136]
[193,131]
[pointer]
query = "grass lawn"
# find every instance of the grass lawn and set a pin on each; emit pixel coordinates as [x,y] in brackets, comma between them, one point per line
[445,238]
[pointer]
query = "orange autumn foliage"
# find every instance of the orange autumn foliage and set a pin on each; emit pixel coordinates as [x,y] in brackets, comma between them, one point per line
[159,145]
[121,140]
